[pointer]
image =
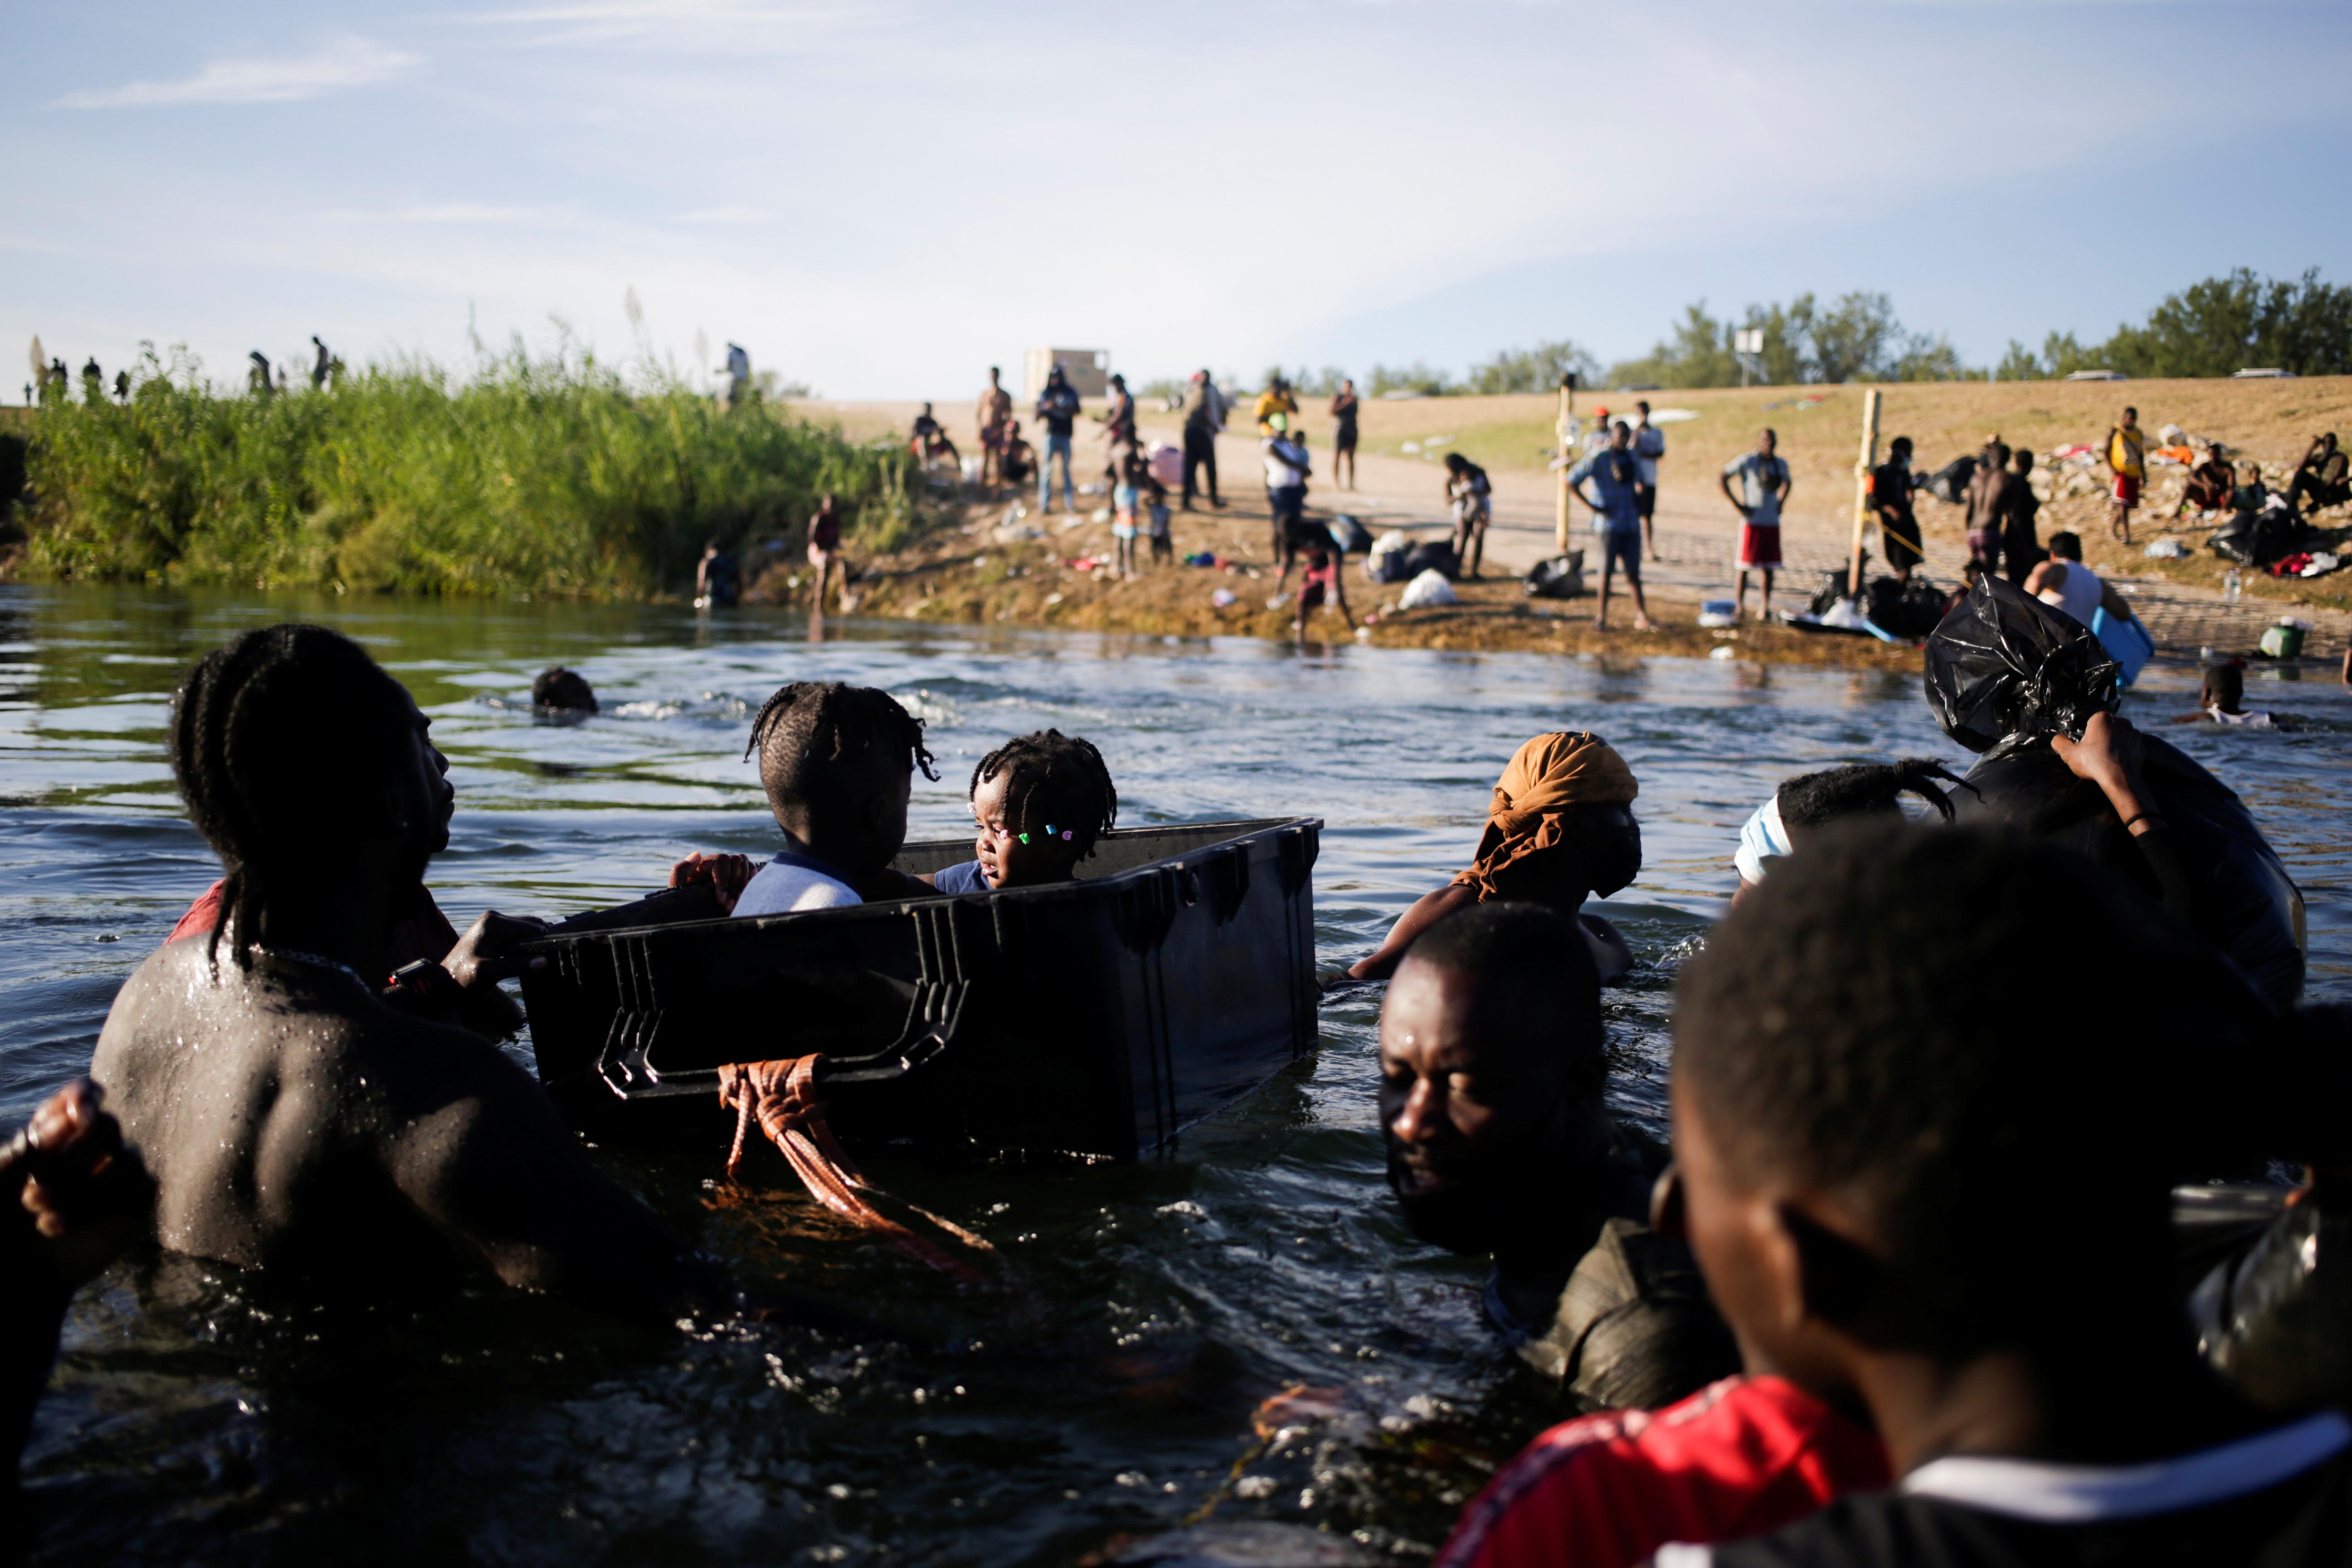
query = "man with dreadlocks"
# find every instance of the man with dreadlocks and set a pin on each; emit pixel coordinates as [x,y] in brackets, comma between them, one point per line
[296,1112]
[1041,802]
[838,764]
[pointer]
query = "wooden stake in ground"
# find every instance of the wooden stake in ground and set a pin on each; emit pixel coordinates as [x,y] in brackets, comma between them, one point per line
[1868,460]
[1566,454]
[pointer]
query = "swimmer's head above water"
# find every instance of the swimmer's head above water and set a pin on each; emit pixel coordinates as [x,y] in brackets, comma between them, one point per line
[1491,1071]
[1041,802]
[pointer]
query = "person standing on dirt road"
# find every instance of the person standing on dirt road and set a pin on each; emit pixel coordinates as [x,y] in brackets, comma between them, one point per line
[1649,445]
[1204,415]
[1058,410]
[1616,508]
[1345,405]
[1765,482]
[1890,503]
[994,413]
[2126,458]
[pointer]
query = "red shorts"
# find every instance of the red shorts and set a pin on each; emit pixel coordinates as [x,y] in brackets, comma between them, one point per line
[1760,546]
[2126,489]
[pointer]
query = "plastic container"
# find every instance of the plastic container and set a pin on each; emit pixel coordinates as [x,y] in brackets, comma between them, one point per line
[2126,642]
[2283,641]
[1094,1018]
[1718,613]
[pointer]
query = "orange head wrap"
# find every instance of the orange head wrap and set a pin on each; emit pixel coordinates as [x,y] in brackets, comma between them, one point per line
[1549,774]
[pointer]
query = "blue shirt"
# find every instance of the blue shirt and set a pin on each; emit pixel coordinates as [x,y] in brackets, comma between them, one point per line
[967,877]
[1612,474]
[793,882]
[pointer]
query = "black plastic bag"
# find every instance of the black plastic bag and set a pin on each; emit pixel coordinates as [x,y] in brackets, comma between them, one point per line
[1351,535]
[1950,482]
[2005,671]
[1560,577]
[1905,610]
[1438,556]
[2243,902]
[2280,1321]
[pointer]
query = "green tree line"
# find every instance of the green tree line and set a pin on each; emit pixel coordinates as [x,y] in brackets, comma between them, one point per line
[545,474]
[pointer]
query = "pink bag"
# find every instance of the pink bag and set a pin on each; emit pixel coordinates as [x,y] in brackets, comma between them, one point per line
[1167,463]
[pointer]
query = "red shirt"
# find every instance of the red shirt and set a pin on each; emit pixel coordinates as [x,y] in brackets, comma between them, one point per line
[421,931]
[1734,1460]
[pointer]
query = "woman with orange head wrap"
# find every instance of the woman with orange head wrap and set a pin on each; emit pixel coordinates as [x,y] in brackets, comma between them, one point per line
[1561,829]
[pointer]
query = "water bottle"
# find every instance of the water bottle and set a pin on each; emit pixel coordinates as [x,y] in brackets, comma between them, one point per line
[2230,583]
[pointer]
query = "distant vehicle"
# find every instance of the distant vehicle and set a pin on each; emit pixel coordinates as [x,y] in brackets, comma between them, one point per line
[2098,375]
[2262,375]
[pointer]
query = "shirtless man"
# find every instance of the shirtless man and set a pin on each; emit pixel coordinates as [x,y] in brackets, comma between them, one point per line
[992,414]
[299,1114]
[1989,505]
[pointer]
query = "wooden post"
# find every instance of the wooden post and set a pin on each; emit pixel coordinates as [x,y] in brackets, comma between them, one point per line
[1861,510]
[1567,428]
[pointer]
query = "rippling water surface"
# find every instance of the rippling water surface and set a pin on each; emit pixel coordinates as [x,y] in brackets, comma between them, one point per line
[879,1416]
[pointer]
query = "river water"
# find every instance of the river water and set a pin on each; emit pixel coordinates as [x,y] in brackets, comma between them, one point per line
[880,1417]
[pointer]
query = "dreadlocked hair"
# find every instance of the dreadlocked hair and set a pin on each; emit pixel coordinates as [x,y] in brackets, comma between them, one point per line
[1865,789]
[1053,778]
[819,740]
[271,736]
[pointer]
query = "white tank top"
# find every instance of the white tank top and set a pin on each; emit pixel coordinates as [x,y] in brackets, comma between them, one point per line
[2078,596]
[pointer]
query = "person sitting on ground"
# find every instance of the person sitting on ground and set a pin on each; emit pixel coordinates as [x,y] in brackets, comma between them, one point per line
[1561,829]
[2020,551]
[1615,473]
[2321,476]
[1323,582]
[1042,803]
[1470,493]
[1890,500]
[930,439]
[556,689]
[1869,1196]
[1014,457]
[73,1196]
[1492,1067]
[1809,802]
[2065,583]
[2210,483]
[718,578]
[301,1114]
[2222,701]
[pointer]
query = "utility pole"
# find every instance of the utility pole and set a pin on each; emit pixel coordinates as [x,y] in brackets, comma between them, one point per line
[1862,467]
[1568,432]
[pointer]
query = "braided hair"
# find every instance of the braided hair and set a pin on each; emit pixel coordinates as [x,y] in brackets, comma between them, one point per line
[819,740]
[268,736]
[1864,789]
[1054,778]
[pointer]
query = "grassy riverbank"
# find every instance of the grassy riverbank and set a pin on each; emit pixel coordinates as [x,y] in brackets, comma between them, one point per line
[546,475]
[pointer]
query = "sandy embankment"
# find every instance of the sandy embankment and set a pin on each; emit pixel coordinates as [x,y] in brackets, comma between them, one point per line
[961,573]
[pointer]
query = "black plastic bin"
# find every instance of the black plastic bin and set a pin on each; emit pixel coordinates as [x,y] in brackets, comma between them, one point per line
[1098,1016]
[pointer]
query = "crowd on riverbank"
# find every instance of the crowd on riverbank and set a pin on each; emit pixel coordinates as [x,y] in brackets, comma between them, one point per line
[1846,1267]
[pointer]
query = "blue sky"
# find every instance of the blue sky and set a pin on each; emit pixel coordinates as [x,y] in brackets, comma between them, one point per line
[881,198]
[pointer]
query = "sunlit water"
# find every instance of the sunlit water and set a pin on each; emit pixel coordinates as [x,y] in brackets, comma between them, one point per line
[879,1416]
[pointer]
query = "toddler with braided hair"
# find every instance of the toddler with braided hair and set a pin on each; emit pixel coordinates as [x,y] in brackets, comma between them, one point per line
[1041,802]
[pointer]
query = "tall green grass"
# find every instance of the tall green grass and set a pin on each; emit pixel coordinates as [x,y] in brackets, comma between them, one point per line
[544,475]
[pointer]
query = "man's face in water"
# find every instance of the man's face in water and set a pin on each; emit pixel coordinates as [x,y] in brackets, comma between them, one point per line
[1471,1086]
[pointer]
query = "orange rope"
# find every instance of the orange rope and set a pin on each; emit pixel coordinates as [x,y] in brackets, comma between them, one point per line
[782,1096]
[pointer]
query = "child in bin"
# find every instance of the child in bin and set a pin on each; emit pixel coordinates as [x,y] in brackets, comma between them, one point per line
[838,763]
[1322,584]
[1164,540]
[1041,802]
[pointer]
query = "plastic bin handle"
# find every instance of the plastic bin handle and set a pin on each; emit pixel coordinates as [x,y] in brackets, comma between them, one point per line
[933,1025]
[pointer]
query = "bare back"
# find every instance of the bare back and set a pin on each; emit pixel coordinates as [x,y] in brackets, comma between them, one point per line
[292,1120]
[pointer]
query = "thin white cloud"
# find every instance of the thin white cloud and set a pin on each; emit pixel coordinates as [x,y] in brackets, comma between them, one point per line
[728,217]
[345,63]
[454,214]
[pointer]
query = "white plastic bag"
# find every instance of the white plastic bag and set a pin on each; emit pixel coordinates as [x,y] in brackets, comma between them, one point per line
[1427,591]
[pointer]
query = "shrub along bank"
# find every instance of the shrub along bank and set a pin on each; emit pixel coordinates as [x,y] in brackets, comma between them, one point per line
[536,475]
